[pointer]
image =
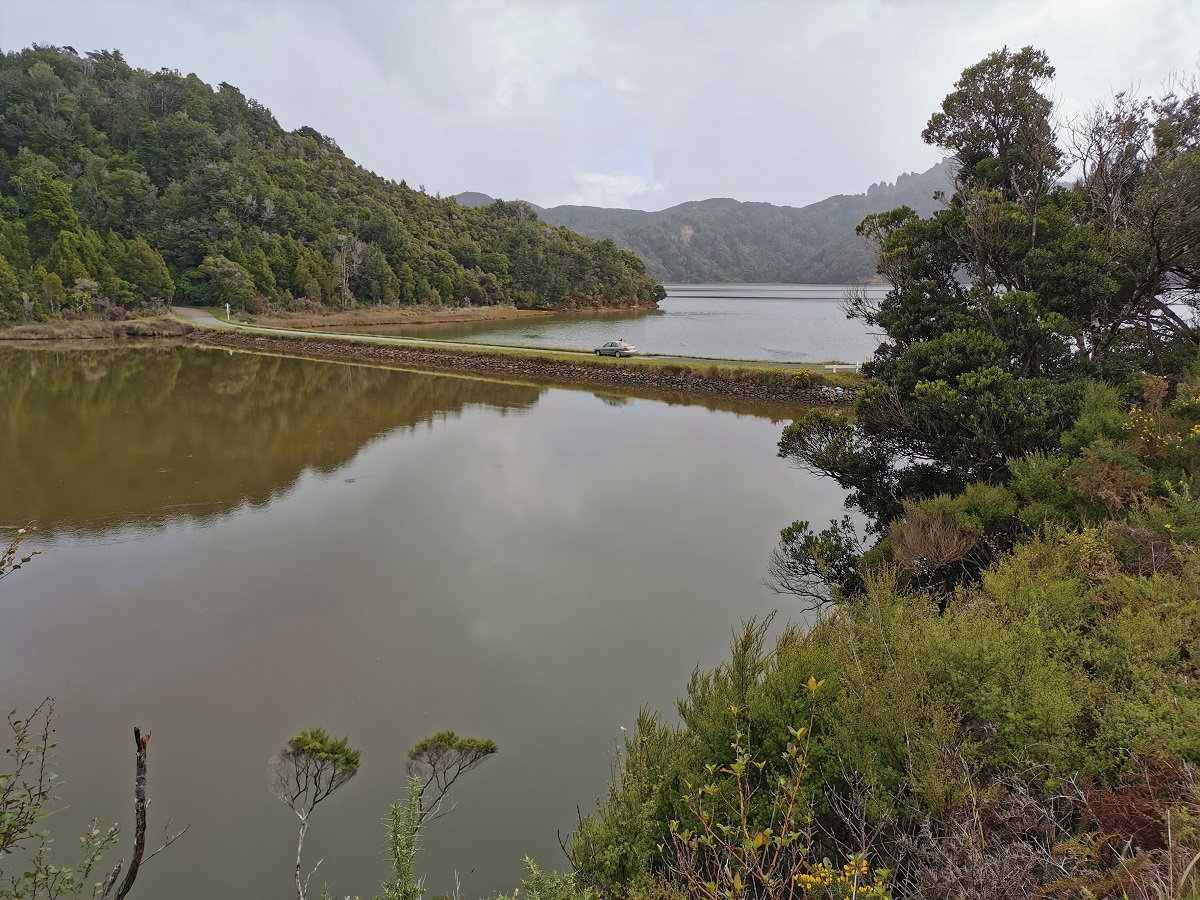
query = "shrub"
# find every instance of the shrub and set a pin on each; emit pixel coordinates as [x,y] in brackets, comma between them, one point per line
[1057,665]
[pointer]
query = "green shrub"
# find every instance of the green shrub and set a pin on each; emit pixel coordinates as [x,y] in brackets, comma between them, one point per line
[1058,661]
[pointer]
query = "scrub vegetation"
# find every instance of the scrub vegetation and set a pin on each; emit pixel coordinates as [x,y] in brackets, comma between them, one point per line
[999,696]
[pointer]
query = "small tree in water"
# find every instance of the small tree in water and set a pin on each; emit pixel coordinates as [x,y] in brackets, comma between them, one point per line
[433,765]
[438,761]
[309,768]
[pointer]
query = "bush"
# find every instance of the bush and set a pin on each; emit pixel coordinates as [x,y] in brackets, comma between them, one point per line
[1057,665]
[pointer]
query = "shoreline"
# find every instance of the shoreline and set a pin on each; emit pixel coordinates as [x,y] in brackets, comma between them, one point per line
[97,329]
[775,386]
[172,326]
[394,315]
[729,380]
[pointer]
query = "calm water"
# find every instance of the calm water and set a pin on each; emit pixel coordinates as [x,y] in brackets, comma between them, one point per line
[238,547]
[783,323]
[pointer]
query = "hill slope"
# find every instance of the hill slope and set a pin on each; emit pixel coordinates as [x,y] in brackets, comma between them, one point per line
[121,188]
[725,240]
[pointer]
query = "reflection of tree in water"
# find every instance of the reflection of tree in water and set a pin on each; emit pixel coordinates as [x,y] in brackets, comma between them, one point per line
[614,399]
[95,439]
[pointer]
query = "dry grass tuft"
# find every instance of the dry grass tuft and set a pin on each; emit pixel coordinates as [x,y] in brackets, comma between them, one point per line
[96,329]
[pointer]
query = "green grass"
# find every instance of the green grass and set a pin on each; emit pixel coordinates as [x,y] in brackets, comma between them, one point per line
[732,370]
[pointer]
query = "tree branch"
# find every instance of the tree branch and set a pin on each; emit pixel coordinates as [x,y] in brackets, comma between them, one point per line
[171,838]
[142,743]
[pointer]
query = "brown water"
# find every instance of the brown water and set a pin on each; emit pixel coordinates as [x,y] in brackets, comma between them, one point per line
[237,547]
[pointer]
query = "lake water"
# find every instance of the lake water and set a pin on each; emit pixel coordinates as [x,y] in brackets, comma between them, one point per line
[237,547]
[781,323]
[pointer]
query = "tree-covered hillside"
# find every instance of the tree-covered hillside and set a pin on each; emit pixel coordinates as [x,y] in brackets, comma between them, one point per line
[121,189]
[725,240]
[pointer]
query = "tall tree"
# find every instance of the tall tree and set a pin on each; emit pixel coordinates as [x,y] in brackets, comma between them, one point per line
[1005,302]
[997,125]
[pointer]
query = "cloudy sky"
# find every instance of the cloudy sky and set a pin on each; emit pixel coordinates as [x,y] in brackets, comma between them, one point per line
[606,102]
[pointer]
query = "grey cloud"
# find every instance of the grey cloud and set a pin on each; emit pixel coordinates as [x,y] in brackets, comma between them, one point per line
[640,102]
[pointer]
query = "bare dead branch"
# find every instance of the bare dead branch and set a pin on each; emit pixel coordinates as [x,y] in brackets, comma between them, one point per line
[142,744]
[112,878]
[171,838]
[140,803]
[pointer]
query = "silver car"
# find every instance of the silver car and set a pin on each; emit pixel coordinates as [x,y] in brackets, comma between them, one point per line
[616,348]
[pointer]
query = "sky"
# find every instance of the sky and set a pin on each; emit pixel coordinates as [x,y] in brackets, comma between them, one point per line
[615,103]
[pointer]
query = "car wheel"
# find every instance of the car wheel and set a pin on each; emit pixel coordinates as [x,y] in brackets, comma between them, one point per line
[597,352]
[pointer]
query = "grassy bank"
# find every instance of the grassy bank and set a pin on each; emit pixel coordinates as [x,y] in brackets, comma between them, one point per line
[384,315]
[793,386]
[646,376]
[96,329]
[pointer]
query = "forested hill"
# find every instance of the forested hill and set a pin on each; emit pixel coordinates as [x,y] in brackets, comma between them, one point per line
[725,240]
[121,189]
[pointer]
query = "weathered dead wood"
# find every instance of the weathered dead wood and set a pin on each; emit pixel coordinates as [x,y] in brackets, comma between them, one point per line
[140,803]
[142,743]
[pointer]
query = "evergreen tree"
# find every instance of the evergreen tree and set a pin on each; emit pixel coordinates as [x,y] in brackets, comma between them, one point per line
[143,268]
[1004,304]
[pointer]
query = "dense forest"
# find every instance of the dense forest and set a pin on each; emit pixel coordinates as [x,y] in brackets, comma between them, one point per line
[123,189]
[722,240]
[1000,697]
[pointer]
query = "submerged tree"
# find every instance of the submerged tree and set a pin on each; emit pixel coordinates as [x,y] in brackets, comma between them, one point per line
[309,768]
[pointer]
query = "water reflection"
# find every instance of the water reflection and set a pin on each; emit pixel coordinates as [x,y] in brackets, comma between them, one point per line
[614,399]
[95,439]
[395,554]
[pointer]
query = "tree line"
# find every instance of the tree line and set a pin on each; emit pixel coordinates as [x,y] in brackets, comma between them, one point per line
[123,189]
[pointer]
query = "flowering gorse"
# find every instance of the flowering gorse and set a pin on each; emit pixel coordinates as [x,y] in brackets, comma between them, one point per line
[752,831]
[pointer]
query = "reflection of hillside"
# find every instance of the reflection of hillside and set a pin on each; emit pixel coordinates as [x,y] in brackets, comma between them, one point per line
[100,438]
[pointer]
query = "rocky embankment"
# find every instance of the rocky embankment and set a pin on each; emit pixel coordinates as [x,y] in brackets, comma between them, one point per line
[772,385]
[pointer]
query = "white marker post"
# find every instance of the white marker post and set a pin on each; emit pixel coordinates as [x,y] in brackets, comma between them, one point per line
[227,312]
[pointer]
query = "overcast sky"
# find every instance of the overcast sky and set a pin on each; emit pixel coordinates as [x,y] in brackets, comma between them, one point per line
[605,102]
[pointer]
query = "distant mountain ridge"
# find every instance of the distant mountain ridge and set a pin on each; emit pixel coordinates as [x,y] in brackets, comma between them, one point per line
[724,240]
